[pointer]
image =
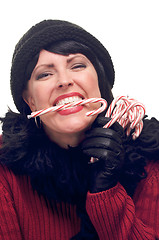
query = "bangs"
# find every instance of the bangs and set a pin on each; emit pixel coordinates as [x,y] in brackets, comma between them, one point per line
[71,47]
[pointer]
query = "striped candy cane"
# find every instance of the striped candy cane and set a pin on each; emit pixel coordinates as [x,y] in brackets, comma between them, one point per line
[128,112]
[73,104]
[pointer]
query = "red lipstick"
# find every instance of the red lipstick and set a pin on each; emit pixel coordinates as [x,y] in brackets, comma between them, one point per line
[70,110]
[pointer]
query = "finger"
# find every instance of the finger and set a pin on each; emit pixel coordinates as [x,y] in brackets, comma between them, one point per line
[102,143]
[105,133]
[118,128]
[102,121]
[105,155]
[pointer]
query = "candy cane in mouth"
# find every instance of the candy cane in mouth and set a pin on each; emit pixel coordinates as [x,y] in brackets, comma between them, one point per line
[73,104]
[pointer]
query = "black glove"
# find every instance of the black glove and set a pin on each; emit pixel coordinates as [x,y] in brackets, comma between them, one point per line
[105,144]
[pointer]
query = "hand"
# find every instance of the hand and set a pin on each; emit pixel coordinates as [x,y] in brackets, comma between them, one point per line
[105,144]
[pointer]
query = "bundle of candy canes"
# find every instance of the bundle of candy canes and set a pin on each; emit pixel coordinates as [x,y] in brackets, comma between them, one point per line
[128,112]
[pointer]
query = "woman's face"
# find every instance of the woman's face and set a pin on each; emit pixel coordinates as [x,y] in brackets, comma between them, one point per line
[58,79]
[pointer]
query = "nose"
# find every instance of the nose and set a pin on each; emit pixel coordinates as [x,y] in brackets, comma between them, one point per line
[64,80]
[65,84]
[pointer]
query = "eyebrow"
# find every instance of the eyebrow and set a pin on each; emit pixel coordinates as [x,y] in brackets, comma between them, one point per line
[43,65]
[75,56]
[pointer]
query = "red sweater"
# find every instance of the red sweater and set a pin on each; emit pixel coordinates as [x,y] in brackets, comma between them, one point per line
[115,216]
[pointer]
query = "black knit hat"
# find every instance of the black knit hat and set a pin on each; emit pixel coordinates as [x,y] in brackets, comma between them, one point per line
[39,37]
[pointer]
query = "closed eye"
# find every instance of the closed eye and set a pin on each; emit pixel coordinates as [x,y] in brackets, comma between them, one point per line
[78,66]
[43,75]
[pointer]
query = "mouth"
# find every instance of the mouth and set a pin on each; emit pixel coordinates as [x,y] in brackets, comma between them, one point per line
[68,98]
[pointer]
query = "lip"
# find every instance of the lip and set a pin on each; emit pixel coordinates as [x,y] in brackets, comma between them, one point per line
[70,110]
[67,95]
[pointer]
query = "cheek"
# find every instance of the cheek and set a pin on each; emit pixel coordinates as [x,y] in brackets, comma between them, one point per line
[92,85]
[40,93]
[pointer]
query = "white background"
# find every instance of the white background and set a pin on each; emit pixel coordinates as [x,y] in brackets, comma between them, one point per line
[128,29]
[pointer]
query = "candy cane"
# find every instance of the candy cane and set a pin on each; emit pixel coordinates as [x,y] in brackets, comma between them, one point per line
[73,104]
[128,112]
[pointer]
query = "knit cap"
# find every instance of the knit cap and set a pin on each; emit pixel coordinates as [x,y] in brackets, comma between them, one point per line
[39,37]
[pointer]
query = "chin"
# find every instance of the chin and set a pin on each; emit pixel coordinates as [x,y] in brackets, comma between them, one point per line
[77,125]
[68,125]
[73,128]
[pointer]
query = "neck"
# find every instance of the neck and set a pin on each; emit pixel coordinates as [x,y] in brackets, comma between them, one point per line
[66,140]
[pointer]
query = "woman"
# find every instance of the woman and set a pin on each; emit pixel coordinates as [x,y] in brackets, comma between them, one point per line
[49,188]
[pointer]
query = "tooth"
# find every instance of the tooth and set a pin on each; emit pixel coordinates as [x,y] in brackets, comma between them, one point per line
[74,99]
[61,102]
[68,100]
[71,99]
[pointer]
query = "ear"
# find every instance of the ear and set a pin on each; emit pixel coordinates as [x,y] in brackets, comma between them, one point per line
[29,100]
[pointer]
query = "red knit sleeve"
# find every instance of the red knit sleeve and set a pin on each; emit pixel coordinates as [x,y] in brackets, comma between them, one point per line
[9,226]
[116,216]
